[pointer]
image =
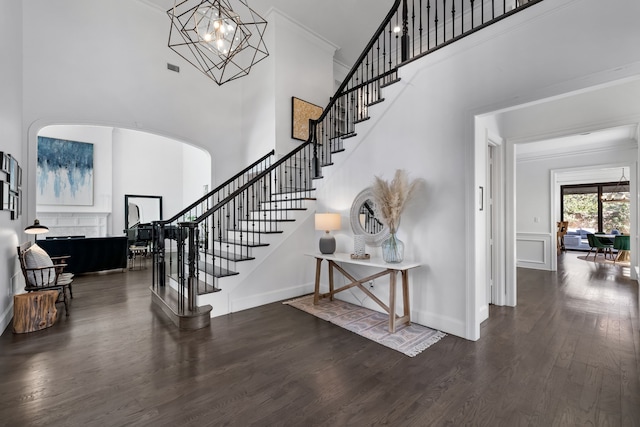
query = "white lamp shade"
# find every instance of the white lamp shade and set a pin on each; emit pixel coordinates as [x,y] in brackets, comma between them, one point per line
[327,221]
[36,228]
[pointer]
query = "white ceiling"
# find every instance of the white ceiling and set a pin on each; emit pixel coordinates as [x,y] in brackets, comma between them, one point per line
[348,24]
[597,140]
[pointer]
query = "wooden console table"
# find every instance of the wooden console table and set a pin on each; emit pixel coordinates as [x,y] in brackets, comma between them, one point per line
[390,269]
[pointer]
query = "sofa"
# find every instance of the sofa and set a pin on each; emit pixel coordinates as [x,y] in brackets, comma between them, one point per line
[577,240]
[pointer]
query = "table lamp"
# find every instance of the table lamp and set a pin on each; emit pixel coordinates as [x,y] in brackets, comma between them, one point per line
[327,222]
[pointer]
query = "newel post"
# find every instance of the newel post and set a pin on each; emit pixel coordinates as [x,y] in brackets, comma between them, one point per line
[192,280]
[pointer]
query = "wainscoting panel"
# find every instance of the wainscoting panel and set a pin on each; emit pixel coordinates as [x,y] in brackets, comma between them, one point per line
[533,250]
[87,224]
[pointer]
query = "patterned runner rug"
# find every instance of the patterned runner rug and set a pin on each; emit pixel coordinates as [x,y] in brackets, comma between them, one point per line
[408,339]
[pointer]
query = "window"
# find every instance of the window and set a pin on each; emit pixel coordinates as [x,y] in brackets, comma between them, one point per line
[596,207]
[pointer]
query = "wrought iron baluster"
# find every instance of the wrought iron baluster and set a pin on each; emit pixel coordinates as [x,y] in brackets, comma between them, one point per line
[436,22]
[444,20]
[429,24]
[453,18]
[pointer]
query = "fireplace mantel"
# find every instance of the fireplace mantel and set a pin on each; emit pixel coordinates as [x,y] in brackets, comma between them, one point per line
[88,224]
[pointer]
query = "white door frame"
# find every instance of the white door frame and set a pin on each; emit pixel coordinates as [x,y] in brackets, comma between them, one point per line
[496,221]
[633,191]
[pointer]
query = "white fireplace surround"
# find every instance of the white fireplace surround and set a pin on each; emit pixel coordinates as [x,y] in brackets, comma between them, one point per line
[88,224]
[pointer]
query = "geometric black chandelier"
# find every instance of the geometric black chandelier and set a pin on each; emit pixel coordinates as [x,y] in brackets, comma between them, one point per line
[620,193]
[222,41]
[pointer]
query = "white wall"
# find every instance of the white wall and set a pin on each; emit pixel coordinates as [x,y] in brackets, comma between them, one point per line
[105,63]
[10,129]
[304,69]
[301,65]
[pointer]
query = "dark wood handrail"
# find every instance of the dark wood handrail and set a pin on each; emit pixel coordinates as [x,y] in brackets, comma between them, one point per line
[218,188]
[359,61]
[249,184]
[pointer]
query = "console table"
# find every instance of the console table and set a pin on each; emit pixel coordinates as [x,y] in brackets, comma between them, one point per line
[387,268]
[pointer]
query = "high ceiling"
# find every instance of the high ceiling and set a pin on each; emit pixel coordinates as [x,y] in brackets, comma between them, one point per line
[348,24]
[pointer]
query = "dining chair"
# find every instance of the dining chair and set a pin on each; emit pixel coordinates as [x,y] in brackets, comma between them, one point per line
[562,230]
[596,244]
[622,244]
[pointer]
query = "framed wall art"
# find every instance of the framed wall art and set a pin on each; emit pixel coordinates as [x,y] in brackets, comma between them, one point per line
[4,162]
[13,173]
[64,173]
[4,195]
[301,112]
[13,205]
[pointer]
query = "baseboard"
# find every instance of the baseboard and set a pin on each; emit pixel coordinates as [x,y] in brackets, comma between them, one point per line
[484,313]
[256,300]
[6,317]
[442,323]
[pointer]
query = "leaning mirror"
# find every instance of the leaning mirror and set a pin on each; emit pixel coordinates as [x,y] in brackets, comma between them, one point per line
[141,210]
[366,220]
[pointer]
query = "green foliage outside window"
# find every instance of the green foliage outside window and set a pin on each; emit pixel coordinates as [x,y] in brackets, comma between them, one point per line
[616,215]
[581,210]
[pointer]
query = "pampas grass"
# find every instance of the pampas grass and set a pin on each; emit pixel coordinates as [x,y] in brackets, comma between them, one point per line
[391,197]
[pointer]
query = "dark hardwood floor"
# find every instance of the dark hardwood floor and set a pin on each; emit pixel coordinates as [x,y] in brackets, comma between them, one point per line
[567,355]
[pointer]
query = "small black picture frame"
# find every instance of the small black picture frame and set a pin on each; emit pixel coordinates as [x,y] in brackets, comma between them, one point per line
[4,162]
[13,173]
[4,195]
[13,205]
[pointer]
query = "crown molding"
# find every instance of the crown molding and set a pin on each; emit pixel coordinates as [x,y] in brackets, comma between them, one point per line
[629,144]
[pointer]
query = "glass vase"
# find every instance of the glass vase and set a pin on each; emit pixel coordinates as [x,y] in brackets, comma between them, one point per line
[392,249]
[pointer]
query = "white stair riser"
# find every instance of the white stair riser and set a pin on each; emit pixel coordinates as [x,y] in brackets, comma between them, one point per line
[289,196]
[248,238]
[258,226]
[271,215]
[283,205]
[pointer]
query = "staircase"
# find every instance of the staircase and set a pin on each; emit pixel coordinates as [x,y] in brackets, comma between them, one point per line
[197,248]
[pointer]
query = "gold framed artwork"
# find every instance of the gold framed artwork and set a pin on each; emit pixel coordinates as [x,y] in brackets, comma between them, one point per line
[301,112]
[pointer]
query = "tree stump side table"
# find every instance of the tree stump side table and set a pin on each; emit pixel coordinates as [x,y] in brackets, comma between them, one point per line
[34,311]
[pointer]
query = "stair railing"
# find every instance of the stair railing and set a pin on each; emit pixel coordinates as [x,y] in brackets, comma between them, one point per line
[169,229]
[207,246]
[411,30]
[208,242]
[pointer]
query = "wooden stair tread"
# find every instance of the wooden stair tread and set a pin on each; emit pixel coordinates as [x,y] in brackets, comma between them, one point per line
[268,220]
[231,256]
[214,270]
[241,243]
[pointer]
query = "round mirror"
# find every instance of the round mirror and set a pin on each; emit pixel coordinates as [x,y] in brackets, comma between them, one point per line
[366,220]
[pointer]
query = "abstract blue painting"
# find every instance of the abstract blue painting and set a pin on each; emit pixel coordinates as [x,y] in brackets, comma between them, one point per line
[64,175]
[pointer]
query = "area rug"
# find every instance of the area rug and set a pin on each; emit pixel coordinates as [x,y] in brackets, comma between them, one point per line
[408,339]
[601,260]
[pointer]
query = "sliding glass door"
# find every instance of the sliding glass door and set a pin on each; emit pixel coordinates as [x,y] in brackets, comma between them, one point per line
[596,208]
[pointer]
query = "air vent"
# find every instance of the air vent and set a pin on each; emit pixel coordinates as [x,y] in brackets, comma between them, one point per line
[173,67]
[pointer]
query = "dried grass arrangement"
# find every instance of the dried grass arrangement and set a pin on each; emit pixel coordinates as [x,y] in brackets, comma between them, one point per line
[391,197]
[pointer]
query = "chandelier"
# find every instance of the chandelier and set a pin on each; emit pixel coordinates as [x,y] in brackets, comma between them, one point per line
[620,192]
[221,41]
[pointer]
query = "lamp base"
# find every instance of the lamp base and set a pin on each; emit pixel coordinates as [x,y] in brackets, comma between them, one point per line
[327,244]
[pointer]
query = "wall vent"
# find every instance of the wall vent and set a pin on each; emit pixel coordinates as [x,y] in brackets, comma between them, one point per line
[173,67]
